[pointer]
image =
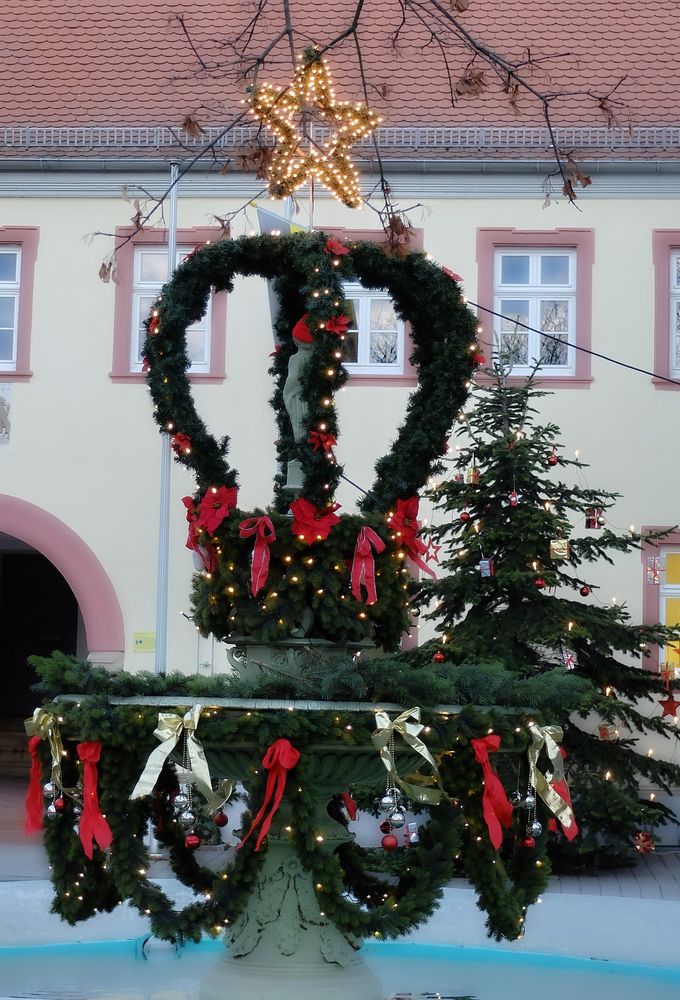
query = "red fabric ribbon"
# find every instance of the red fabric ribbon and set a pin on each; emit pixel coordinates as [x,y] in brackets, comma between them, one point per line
[34,797]
[363,565]
[338,325]
[264,532]
[310,523]
[350,805]
[280,758]
[562,789]
[320,440]
[93,828]
[495,805]
[404,522]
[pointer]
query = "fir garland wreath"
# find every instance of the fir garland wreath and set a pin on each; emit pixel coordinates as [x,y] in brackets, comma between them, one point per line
[301,567]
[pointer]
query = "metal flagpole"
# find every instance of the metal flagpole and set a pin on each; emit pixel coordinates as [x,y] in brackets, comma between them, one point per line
[166,465]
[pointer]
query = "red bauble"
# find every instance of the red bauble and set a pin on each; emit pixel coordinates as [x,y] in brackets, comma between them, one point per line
[465,515]
[220,818]
[385,826]
[584,591]
[60,805]
[528,842]
[539,583]
[553,459]
[389,842]
[192,841]
[438,657]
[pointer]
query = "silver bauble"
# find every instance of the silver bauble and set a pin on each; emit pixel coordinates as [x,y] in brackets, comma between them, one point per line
[397,818]
[51,810]
[187,818]
[530,801]
[535,829]
[390,799]
[516,799]
[48,788]
[180,802]
[76,809]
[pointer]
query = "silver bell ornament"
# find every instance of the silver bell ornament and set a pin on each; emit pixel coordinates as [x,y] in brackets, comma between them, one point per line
[48,788]
[187,818]
[535,829]
[397,819]
[530,801]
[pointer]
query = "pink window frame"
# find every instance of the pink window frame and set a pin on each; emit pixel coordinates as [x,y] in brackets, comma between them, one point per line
[409,377]
[583,243]
[25,237]
[650,591]
[127,239]
[664,242]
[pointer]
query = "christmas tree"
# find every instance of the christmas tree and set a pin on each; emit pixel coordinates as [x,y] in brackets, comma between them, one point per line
[516,591]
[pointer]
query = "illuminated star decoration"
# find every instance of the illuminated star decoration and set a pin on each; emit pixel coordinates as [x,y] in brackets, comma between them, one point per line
[669,705]
[298,155]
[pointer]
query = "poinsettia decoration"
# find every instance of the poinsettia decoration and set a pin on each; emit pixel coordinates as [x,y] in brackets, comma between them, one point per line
[217,503]
[405,525]
[320,440]
[181,443]
[336,248]
[310,523]
[337,325]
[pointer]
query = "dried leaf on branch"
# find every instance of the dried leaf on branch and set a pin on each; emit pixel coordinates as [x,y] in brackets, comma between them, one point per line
[471,83]
[573,175]
[192,127]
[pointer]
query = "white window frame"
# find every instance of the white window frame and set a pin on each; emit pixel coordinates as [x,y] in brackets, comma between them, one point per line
[363,366]
[145,289]
[673,326]
[12,290]
[534,292]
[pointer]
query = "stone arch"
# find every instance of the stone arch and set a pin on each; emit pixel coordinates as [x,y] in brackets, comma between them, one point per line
[77,563]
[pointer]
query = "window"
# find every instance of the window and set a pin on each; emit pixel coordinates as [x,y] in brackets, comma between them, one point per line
[537,283]
[374,343]
[150,274]
[661,594]
[18,252]
[141,270]
[666,251]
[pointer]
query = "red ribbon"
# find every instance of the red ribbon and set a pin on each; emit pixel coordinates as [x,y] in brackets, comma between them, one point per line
[34,796]
[404,522]
[280,758]
[495,805]
[264,532]
[363,565]
[93,828]
[320,440]
[350,805]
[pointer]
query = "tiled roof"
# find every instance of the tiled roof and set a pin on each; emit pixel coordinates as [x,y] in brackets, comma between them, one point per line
[131,63]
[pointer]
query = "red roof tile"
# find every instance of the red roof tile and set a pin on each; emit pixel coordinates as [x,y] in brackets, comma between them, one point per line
[125,63]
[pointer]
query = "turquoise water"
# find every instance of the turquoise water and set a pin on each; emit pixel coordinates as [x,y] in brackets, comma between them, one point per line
[118,970]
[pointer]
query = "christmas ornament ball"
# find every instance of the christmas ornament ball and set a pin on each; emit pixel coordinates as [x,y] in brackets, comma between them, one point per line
[51,811]
[553,459]
[539,583]
[438,657]
[60,805]
[528,842]
[516,799]
[584,591]
[465,515]
[180,801]
[389,842]
[389,799]
[192,841]
[385,826]
[220,818]
[535,829]
[48,788]
[187,818]
[530,801]
[397,819]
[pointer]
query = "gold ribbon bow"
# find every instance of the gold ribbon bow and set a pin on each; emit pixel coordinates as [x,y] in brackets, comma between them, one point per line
[409,727]
[546,738]
[46,725]
[169,731]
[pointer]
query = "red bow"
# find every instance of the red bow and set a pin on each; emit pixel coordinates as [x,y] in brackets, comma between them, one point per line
[92,828]
[404,523]
[153,324]
[280,758]
[495,805]
[215,506]
[337,324]
[310,523]
[181,443]
[363,565]
[204,550]
[451,274]
[319,440]
[34,796]
[264,532]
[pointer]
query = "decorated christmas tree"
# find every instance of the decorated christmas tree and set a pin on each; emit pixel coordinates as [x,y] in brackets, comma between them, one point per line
[517,591]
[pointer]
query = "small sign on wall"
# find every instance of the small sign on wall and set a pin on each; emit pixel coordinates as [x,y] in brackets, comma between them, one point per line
[5,406]
[144,642]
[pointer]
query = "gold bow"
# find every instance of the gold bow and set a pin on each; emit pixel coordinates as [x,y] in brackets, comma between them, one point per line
[410,732]
[169,731]
[546,738]
[46,725]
